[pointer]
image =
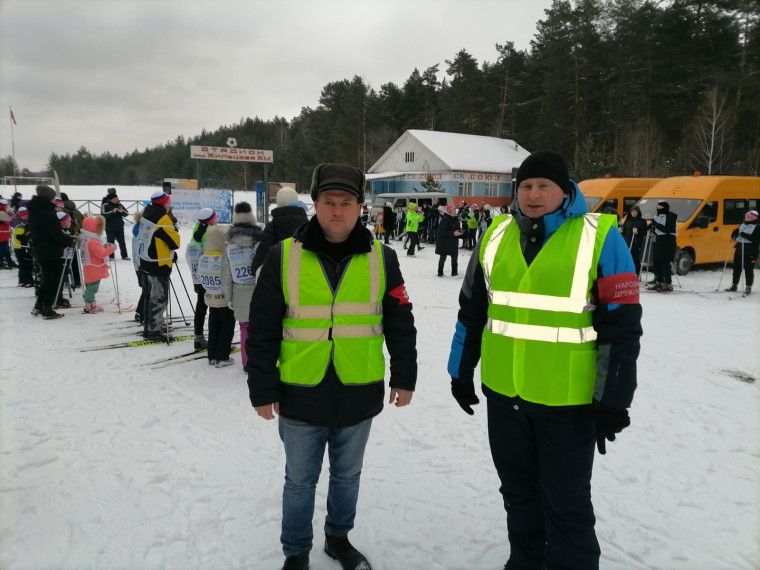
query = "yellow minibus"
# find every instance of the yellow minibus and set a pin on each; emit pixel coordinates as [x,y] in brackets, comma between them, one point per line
[618,193]
[709,208]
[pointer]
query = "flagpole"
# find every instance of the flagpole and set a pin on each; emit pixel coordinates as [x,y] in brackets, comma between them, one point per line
[13,150]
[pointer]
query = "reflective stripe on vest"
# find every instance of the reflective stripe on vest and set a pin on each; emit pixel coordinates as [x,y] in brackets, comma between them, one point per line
[539,342]
[344,326]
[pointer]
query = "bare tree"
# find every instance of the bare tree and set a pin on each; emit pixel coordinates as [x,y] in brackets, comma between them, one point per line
[712,152]
[753,159]
[639,149]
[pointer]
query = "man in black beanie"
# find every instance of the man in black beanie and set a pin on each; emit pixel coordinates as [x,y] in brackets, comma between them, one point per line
[550,307]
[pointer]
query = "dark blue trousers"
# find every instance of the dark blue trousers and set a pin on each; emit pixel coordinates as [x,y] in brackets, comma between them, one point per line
[544,457]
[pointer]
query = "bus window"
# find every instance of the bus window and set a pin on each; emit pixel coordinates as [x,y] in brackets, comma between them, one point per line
[708,215]
[628,202]
[733,211]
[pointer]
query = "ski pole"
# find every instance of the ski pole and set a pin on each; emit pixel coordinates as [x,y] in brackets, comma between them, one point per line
[178,303]
[81,266]
[168,313]
[728,254]
[116,281]
[66,253]
[741,275]
[182,279]
[70,277]
[633,237]
[674,270]
[113,279]
[645,257]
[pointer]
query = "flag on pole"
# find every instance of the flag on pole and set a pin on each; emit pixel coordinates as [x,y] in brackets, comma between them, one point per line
[12,117]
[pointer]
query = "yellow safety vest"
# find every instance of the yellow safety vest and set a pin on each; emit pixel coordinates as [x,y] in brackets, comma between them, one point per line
[321,325]
[539,342]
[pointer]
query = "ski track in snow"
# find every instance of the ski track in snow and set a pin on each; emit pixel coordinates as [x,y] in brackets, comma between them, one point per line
[108,464]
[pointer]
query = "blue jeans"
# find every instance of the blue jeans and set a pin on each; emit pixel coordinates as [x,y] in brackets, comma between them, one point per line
[304,449]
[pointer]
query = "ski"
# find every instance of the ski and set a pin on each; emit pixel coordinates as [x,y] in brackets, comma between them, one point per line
[199,354]
[133,323]
[135,343]
[195,352]
[192,353]
[135,332]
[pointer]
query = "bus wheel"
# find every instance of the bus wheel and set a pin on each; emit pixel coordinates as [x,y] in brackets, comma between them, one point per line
[684,262]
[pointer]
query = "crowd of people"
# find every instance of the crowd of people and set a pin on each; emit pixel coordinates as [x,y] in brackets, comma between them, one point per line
[447,227]
[317,300]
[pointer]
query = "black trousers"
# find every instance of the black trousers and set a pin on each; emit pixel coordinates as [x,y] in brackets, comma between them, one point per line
[636,254]
[200,309]
[413,241]
[442,261]
[50,275]
[221,328]
[745,258]
[25,267]
[544,458]
[116,235]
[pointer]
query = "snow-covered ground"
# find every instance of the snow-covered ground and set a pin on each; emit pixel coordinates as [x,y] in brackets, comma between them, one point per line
[109,463]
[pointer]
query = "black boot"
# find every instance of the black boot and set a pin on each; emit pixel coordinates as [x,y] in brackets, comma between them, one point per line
[48,313]
[343,551]
[733,287]
[62,303]
[157,336]
[297,562]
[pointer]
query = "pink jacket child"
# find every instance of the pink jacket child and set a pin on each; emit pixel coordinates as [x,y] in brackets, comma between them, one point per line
[94,253]
[6,218]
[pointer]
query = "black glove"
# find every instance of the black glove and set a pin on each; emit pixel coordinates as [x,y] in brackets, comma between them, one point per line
[464,393]
[609,421]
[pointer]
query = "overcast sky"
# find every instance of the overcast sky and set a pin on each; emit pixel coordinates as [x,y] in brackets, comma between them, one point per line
[114,76]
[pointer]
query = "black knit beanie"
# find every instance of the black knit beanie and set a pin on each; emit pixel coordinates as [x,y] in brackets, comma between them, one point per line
[546,164]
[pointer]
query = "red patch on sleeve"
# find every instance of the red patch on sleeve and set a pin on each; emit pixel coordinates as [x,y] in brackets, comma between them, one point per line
[622,289]
[400,294]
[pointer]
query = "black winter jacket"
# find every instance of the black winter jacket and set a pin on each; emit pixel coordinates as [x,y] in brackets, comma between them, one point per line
[640,225]
[447,243]
[285,221]
[389,219]
[48,239]
[330,403]
[114,219]
[749,231]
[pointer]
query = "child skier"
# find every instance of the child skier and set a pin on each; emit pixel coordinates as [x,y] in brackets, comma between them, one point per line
[221,319]
[21,249]
[238,279]
[206,217]
[94,254]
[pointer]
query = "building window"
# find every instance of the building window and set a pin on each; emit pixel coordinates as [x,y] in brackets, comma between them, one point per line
[409,157]
[465,189]
[492,189]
